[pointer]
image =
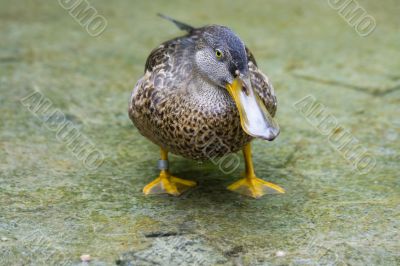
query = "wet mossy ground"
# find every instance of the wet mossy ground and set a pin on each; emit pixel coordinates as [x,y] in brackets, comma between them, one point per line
[53,209]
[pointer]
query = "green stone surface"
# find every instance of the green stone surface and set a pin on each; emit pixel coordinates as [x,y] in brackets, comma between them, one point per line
[53,208]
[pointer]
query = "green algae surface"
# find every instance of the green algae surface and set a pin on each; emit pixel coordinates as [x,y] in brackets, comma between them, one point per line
[53,208]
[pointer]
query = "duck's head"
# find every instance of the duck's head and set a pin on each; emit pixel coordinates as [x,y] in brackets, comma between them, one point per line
[221,58]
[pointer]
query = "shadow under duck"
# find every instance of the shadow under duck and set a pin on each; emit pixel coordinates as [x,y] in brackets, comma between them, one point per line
[202,96]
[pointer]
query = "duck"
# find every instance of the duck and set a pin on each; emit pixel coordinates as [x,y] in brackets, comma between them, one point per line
[202,96]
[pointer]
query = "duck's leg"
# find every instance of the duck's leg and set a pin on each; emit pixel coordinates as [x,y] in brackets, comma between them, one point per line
[165,182]
[250,185]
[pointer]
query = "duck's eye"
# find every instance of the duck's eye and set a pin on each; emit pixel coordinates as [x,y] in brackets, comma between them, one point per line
[218,53]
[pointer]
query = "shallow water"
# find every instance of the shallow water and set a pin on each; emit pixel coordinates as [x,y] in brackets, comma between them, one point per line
[53,208]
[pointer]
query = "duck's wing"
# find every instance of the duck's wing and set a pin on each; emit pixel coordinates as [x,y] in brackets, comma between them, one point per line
[261,84]
[149,92]
[166,70]
[158,75]
[159,58]
[169,62]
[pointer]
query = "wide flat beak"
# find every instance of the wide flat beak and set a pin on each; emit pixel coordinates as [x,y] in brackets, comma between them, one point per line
[254,116]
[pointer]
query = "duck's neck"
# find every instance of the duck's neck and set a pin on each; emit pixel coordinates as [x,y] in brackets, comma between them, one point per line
[204,92]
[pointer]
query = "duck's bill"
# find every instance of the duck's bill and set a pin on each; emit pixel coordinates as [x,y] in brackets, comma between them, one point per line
[254,117]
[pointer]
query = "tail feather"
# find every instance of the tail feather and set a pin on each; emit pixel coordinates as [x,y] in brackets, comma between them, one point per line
[180,25]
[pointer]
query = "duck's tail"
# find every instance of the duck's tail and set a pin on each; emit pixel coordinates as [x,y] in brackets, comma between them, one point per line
[180,25]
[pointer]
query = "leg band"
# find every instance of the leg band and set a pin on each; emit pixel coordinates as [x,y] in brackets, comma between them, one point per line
[163,164]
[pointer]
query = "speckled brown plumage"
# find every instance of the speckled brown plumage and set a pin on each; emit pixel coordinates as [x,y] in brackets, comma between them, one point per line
[184,114]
